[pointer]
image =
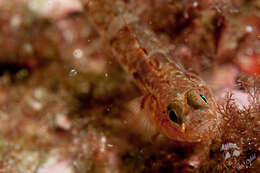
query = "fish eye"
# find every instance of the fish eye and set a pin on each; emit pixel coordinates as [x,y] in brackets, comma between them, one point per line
[173,116]
[203,97]
[174,113]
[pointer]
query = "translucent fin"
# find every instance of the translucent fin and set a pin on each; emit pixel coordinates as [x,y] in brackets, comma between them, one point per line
[139,119]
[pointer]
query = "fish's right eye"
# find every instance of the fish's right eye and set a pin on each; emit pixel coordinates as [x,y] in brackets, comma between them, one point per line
[174,113]
[173,116]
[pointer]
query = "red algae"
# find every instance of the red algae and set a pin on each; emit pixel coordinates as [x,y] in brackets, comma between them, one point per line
[238,148]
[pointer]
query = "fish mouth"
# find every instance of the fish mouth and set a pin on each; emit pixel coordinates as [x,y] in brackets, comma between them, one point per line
[199,124]
[196,126]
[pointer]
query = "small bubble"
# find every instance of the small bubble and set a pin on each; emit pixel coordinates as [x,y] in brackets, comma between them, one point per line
[77,53]
[249,28]
[73,72]
[195,4]
[89,40]
[106,74]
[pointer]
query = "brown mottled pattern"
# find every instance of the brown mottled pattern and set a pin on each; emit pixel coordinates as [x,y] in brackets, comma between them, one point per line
[161,76]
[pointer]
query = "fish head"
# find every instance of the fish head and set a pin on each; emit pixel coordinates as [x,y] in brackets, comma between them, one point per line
[190,115]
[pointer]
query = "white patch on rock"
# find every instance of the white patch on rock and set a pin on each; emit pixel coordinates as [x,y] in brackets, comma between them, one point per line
[54,9]
[56,165]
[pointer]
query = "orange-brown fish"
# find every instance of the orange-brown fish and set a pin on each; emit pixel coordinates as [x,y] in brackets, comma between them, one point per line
[175,102]
[180,103]
[181,106]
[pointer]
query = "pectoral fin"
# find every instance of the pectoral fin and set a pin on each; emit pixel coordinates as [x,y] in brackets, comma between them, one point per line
[138,117]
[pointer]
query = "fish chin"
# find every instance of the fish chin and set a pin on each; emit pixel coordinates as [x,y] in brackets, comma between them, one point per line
[200,124]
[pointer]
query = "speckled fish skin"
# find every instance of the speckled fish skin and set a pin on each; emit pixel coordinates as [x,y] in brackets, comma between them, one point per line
[164,82]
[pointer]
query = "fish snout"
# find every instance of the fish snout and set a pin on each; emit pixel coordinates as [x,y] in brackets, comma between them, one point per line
[200,122]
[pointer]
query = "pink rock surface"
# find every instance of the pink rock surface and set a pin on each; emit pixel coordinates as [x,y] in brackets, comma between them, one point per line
[241,98]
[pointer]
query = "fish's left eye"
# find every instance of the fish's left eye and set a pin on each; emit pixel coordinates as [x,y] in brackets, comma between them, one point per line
[203,97]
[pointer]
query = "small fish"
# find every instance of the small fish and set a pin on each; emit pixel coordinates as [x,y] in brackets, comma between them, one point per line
[175,102]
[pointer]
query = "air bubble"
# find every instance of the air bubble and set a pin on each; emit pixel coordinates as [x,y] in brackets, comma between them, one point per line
[249,28]
[195,4]
[73,72]
[77,53]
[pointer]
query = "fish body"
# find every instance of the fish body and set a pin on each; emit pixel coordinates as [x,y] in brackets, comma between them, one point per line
[177,103]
